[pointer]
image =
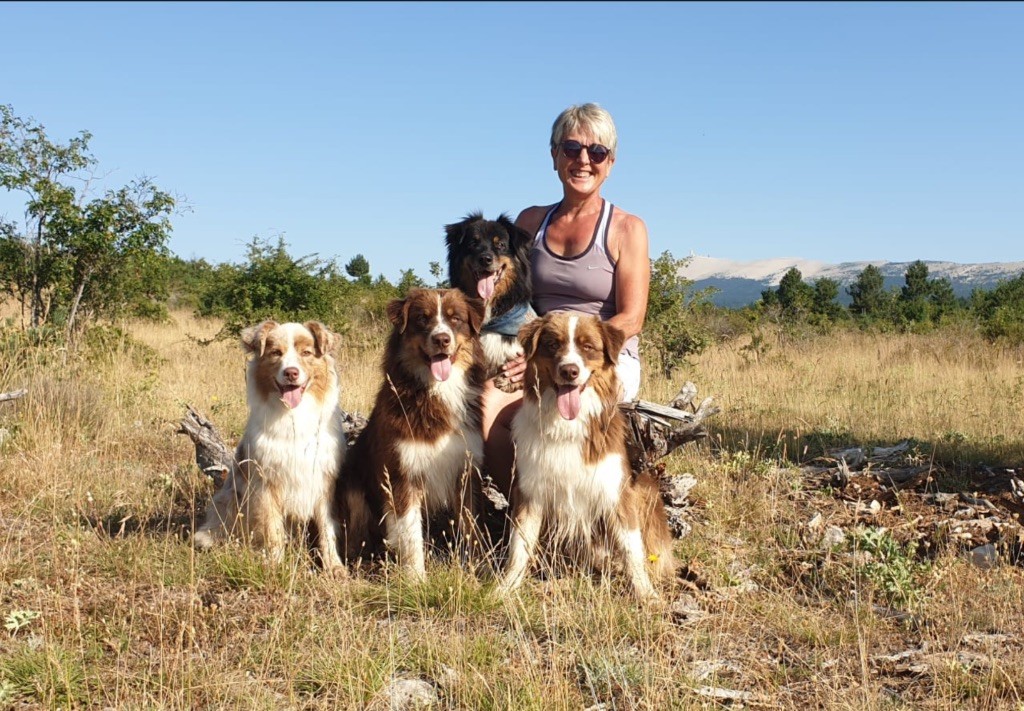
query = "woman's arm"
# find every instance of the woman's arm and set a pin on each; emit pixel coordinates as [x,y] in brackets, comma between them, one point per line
[632,276]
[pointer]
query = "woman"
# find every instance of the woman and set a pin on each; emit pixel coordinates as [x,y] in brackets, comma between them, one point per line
[587,256]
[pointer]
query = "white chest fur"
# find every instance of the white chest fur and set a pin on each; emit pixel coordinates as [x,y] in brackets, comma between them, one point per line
[552,473]
[498,349]
[296,453]
[438,466]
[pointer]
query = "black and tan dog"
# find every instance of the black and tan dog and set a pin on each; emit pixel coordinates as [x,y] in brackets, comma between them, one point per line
[490,259]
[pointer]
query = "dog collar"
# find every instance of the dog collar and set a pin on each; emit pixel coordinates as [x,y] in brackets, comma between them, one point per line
[508,323]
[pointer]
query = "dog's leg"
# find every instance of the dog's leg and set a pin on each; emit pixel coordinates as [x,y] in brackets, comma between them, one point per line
[222,514]
[631,544]
[355,525]
[522,546]
[269,525]
[327,526]
[405,536]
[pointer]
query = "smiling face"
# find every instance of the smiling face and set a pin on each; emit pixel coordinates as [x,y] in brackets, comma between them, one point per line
[581,175]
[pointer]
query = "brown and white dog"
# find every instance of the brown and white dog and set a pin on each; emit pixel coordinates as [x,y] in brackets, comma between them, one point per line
[287,461]
[572,471]
[422,447]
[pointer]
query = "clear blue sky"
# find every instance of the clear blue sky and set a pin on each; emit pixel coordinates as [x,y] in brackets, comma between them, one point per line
[826,131]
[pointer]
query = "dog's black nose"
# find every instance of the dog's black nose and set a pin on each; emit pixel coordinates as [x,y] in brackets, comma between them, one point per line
[569,372]
[486,259]
[292,374]
[442,340]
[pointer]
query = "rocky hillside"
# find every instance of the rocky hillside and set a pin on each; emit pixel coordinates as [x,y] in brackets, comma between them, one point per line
[741,283]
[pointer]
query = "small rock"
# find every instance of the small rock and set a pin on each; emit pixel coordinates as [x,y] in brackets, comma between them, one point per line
[405,695]
[1017,488]
[984,640]
[714,692]
[678,487]
[686,610]
[706,668]
[984,557]
[833,537]
[886,452]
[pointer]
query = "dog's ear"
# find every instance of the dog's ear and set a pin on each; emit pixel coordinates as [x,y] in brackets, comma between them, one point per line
[519,239]
[324,340]
[453,234]
[477,310]
[456,232]
[254,338]
[398,313]
[613,339]
[455,237]
[529,336]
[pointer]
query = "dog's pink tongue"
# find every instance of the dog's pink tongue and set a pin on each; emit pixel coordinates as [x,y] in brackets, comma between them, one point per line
[292,396]
[440,367]
[485,287]
[569,401]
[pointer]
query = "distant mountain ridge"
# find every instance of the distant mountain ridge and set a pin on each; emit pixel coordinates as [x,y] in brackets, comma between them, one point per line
[741,283]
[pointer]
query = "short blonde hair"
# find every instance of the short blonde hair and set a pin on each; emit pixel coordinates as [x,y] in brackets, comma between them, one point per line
[586,118]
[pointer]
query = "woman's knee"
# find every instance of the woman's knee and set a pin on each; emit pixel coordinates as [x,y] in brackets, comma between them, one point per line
[628,370]
[498,408]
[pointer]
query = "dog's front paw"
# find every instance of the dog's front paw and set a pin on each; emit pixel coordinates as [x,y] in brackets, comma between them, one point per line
[505,384]
[336,570]
[203,540]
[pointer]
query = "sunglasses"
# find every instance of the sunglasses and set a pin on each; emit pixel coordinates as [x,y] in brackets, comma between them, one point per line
[597,152]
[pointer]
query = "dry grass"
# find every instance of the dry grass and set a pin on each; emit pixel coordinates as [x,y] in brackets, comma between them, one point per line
[107,605]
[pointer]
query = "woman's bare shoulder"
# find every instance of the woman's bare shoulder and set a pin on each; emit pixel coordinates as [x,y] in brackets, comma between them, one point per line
[626,229]
[627,220]
[531,218]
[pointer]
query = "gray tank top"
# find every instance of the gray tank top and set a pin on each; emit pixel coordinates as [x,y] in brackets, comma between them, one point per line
[584,283]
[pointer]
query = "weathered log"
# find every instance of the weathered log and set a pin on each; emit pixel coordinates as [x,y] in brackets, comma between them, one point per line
[214,458]
[13,395]
[658,430]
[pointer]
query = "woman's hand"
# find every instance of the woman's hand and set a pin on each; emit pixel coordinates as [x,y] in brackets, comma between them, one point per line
[515,368]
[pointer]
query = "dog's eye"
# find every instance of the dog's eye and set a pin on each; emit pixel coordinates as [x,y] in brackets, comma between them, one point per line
[307,351]
[454,320]
[276,352]
[588,348]
[550,345]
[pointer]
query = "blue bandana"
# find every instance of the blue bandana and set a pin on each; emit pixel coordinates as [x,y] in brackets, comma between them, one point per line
[508,323]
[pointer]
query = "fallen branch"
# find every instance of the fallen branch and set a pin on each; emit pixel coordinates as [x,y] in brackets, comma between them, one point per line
[658,430]
[14,395]
[214,458]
